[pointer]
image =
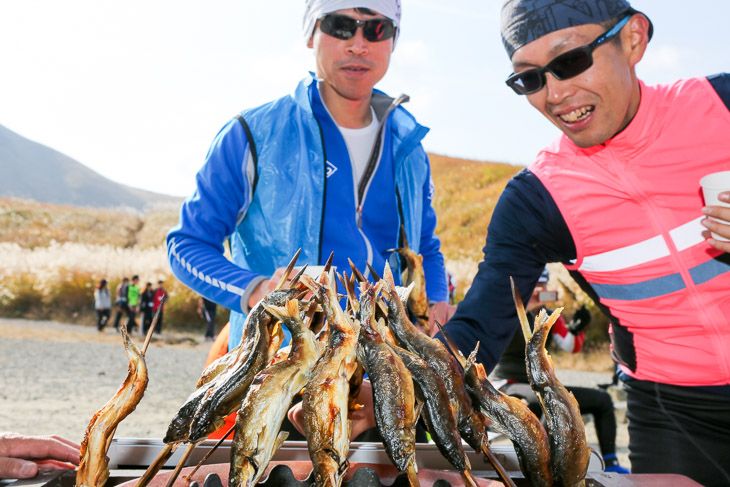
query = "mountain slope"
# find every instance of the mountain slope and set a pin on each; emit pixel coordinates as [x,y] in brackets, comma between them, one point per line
[30,170]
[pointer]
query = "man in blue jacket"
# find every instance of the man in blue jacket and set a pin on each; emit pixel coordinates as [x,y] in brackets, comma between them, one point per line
[336,166]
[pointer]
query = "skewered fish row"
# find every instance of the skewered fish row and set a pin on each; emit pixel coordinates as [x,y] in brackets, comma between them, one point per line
[421,377]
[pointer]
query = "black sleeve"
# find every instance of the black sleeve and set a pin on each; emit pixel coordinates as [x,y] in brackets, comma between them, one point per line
[526,232]
[721,83]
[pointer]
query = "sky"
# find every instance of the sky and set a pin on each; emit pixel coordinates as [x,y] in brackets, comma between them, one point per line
[136,90]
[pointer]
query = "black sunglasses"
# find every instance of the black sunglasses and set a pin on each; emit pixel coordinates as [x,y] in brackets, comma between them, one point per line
[567,65]
[344,27]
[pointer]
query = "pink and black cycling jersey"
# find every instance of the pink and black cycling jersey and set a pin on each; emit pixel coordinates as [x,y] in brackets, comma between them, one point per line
[624,217]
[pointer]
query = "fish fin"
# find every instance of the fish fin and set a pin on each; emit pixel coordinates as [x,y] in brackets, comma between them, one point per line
[373,272]
[388,278]
[356,272]
[404,292]
[289,268]
[403,237]
[468,478]
[412,472]
[453,348]
[418,409]
[328,264]
[280,439]
[521,314]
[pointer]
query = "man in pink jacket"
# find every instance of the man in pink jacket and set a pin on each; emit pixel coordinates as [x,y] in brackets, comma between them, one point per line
[617,200]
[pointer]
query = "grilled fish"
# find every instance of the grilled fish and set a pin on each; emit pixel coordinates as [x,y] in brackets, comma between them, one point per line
[393,392]
[93,470]
[569,452]
[325,400]
[437,412]
[230,387]
[256,436]
[470,423]
[414,274]
[510,416]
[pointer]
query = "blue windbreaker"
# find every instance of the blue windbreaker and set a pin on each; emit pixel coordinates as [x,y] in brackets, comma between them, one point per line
[279,197]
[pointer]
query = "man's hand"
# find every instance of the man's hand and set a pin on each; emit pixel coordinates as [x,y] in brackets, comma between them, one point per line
[362,419]
[265,287]
[441,312]
[22,456]
[719,228]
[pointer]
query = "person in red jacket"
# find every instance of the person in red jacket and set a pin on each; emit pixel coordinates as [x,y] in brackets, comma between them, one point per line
[157,301]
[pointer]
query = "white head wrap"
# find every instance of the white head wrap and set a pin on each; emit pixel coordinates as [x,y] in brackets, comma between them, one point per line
[314,9]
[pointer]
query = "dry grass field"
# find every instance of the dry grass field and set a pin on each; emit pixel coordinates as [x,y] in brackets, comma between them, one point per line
[52,255]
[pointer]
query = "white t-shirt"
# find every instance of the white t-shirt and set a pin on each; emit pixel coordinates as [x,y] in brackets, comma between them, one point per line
[360,143]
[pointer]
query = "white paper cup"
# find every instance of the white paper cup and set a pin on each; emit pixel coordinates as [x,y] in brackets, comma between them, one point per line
[712,185]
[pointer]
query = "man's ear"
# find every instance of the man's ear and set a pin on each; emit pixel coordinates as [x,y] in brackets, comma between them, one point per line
[636,38]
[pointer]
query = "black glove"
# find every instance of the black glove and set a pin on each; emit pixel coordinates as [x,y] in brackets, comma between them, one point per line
[580,320]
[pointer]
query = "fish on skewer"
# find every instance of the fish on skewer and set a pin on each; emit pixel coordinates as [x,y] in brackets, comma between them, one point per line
[569,452]
[394,399]
[471,424]
[414,274]
[257,433]
[93,470]
[325,399]
[231,386]
[510,416]
[437,412]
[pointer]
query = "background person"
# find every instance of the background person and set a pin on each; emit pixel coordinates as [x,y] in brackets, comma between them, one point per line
[616,199]
[569,338]
[132,304]
[207,310]
[22,456]
[159,301]
[121,302]
[146,303]
[102,304]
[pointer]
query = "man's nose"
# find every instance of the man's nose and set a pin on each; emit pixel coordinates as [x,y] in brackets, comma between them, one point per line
[358,45]
[557,90]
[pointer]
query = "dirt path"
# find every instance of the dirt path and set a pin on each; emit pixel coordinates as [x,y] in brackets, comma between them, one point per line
[56,376]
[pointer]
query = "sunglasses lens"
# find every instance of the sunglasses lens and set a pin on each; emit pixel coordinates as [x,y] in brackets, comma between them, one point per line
[525,82]
[338,26]
[343,27]
[378,30]
[571,63]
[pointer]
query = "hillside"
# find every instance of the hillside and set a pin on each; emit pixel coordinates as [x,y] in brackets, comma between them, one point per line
[466,192]
[33,171]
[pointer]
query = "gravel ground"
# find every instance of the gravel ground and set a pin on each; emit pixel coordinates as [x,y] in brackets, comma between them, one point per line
[56,376]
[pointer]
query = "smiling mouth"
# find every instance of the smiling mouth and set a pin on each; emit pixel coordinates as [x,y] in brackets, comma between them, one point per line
[577,115]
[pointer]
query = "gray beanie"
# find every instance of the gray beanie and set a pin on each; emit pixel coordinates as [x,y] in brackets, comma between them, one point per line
[524,21]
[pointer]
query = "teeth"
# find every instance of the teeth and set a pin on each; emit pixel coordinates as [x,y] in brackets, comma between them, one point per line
[576,114]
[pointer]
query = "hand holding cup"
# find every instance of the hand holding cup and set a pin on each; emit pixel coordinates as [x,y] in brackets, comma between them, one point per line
[716,190]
